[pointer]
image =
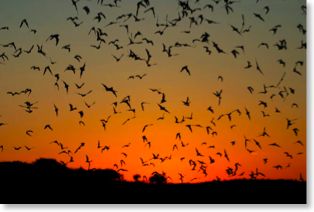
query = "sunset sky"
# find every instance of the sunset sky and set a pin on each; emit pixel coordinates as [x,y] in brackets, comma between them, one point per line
[49,17]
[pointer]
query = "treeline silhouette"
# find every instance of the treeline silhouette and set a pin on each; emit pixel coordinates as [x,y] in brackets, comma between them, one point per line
[48,181]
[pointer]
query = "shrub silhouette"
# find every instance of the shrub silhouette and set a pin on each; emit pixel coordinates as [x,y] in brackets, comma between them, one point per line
[158,178]
[136,177]
[106,175]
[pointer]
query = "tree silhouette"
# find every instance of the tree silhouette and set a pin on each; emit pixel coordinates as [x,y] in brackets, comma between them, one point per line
[47,166]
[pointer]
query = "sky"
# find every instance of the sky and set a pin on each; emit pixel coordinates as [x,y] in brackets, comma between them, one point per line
[164,74]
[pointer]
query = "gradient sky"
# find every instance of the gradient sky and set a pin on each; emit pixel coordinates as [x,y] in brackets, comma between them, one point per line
[49,17]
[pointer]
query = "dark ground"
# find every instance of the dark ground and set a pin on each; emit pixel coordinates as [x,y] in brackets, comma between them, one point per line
[46,181]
